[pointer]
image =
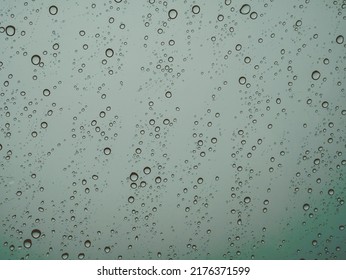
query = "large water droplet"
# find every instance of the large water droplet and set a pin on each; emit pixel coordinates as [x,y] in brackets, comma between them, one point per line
[306,207]
[10,30]
[315,75]
[340,39]
[27,243]
[53,10]
[196,9]
[107,151]
[109,52]
[35,233]
[35,59]
[245,9]
[172,14]
[133,176]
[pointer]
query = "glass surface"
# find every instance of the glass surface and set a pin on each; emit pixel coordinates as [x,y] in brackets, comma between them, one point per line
[172,129]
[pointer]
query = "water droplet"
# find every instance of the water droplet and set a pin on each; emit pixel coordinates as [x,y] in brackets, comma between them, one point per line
[81,256]
[64,256]
[35,59]
[325,104]
[10,30]
[172,14]
[27,243]
[44,125]
[131,199]
[340,39]
[158,180]
[245,9]
[147,170]
[109,52]
[168,94]
[107,151]
[306,207]
[87,243]
[53,10]
[107,249]
[253,15]
[133,176]
[35,233]
[247,199]
[242,80]
[220,17]
[46,92]
[196,9]
[315,75]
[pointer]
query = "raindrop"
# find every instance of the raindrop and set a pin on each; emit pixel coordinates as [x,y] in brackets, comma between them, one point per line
[196,9]
[172,14]
[27,243]
[247,199]
[133,176]
[340,39]
[87,243]
[81,256]
[10,30]
[147,170]
[46,92]
[315,75]
[107,249]
[168,94]
[53,10]
[245,9]
[325,104]
[131,199]
[109,52]
[253,15]
[64,256]
[35,233]
[44,125]
[220,17]
[306,207]
[107,151]
[242,80]
[35,59]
